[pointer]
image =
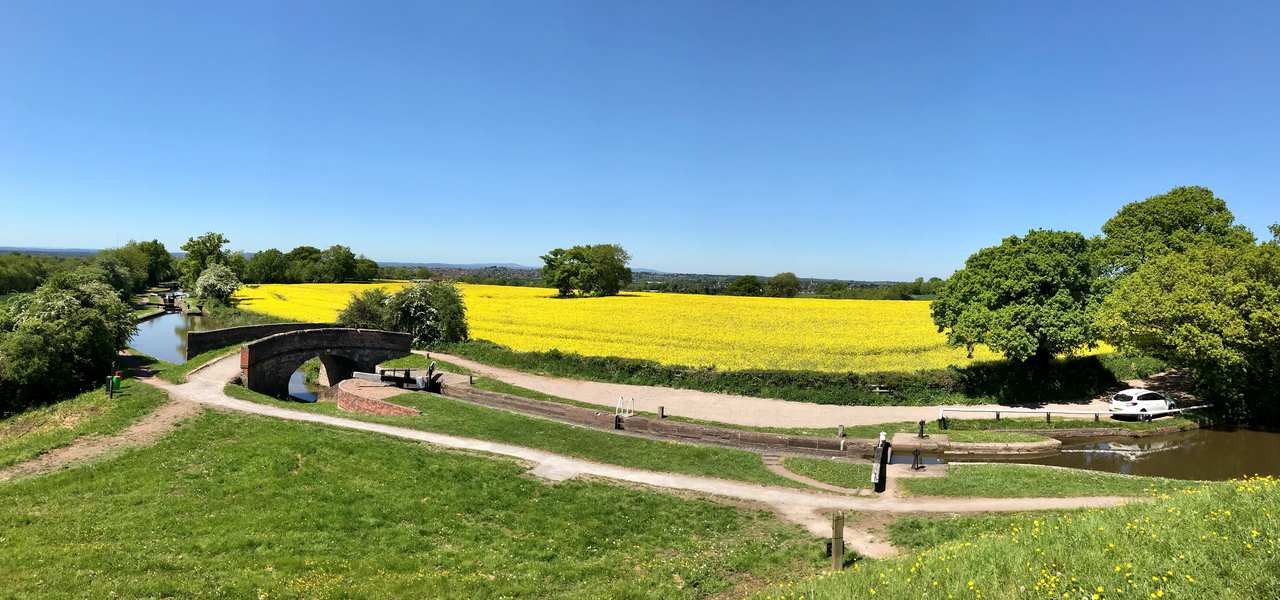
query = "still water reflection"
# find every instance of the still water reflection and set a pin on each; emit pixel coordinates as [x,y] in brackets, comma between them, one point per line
[165,338]
[1200,454]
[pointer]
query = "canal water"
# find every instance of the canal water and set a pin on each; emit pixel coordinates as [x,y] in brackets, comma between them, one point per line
[1213,454]
[165,338]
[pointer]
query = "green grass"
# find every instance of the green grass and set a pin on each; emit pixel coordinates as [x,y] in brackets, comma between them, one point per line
[1219,541]
[177,373]
[915,533]
[455,417]
[1026,481]
[29,434]
[843,474]
[418,361]
[240,506]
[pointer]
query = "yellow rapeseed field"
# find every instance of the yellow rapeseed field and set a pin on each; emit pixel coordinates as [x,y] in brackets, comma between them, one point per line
[723,331]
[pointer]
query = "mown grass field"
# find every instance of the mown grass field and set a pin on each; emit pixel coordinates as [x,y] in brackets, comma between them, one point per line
[676,329]
[1216,541]
[29,434]
[238,506]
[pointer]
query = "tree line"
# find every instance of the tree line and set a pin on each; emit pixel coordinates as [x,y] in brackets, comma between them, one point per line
[1172,276]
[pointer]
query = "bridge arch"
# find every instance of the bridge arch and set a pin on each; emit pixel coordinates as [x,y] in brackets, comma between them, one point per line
[267,363]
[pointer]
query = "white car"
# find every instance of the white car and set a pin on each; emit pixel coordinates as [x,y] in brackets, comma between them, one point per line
[1138,402]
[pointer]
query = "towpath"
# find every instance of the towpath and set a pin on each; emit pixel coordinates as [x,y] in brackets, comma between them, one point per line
[727,408]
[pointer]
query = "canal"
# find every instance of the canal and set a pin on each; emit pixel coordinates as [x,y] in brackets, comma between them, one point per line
[165,338]
[1214,454]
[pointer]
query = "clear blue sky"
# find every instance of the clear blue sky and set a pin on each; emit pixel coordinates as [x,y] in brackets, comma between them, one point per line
[849,140]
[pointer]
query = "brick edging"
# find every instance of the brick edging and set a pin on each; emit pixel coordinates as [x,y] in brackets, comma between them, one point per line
[353,403]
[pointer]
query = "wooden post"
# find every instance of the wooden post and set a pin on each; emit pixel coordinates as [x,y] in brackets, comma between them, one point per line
[662,412]
[997,415]
[837,541]
[839,431]
[1046,417]
[1095,417]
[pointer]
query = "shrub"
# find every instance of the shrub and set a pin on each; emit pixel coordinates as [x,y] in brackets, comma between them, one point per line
[60,339]
[431,312]
[368,310]
[218,282]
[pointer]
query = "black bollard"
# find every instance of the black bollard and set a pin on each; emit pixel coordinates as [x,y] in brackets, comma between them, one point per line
[921,434]
[916,463]
[880,468]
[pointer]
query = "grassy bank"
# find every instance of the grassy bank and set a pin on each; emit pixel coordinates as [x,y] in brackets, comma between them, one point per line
[455,417]
[994,381]
[919,532]
[29,434]
[842,474]
[1026,481]
[244,506]
[1217,541]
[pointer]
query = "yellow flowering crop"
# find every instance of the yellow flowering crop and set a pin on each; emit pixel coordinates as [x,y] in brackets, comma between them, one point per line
[725,331]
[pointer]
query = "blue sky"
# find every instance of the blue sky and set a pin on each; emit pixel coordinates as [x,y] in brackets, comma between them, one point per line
[851,140]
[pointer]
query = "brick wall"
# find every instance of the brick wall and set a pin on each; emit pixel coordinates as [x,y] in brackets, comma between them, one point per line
[353,403]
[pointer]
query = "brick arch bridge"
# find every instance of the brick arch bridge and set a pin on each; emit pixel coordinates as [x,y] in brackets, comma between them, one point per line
[267,363]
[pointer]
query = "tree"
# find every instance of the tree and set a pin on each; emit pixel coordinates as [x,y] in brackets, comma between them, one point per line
[369,310]
[337,264]
[60,339]
[1029,298]
[304,264]
[745,285]
[201,252]
[595,270]
[1214,310]
[218,282]
[783,285]
[1171,222]
[268,266]
[159,261]
[366,269]
[430,312]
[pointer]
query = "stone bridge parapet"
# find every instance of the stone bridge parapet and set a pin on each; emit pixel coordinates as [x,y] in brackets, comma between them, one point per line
[266,364]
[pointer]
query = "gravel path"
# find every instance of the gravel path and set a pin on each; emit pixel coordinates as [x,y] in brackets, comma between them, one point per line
[146,430]
[804,507]
[726,408]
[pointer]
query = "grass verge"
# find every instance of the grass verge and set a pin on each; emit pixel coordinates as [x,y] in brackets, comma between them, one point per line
[29,434]
[455,417]
[245,506]
[915,533]
[838,473]
[1216,541]
[1028,481]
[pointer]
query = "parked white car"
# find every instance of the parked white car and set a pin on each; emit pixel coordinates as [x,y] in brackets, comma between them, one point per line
[1138,402]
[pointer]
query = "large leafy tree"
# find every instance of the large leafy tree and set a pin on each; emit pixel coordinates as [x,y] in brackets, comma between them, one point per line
[1212,309]
[61,338]
[208,249]
[268,266]
[1174,221]
[595,270]
[1028,298]
[783,285]
[745,285]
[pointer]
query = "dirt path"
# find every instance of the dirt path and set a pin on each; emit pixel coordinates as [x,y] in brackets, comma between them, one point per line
[147,430]
[726,408]
[808,508]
